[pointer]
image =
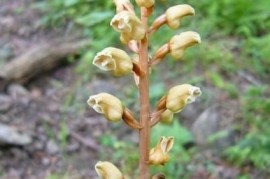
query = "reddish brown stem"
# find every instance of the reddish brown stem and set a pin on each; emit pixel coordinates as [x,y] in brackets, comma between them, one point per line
[137,70]
[144,133]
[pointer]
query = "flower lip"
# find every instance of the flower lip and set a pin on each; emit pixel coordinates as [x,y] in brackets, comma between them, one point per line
[114,60]
[197,37]
[93,101]
[104,61]
[108,105]
[179,96]
[129,25]
[197,92]
[121,22]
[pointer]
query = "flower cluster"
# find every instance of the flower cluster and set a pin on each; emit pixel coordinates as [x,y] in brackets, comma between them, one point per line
[134,33]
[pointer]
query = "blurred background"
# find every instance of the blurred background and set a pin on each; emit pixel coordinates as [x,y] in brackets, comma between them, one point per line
[46,75]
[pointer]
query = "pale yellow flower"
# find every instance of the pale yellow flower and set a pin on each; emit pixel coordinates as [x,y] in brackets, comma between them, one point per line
[108,105]
[175,13]
[107,170]
[129,26]
[179,43]
[159,155]
[145,3]
[166,117]
[114,60]
[122,5]
[179,96]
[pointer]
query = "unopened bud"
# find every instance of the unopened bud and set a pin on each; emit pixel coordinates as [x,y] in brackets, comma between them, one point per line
[129,25]
[175,13]
[145,3]
[179,96]
[123,5]
[179,43]
[166,117]
[114,60]
[108,105]
[159,154]
[158,176]
[107,170]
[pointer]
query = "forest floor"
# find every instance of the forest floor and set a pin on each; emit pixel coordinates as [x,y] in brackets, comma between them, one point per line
[51,109]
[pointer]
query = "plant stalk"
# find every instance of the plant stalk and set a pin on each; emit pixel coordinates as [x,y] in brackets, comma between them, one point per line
[144,133]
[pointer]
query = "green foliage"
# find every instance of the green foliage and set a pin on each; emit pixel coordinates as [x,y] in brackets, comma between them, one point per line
[243,17]
[255,145]
[78,11]
[256,55]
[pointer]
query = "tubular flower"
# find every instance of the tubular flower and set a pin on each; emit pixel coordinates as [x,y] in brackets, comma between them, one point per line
[114,60]
[181,95]
[159,154]
[128,25]
[145,3]
[166,117]
[179,43]
[108,105]
[175,13]
[107,170]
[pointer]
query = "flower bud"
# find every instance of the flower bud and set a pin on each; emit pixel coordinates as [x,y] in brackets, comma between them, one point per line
[114,60]
[179,43]
[159,154]
[122,5]
[166,117]
[181,95]
[158,176]
[175,13]
[108,105]
[128,25]
[145,3]
[107,170]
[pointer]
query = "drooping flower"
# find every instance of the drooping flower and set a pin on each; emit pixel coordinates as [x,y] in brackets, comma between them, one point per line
[107,170]
[108,105]
[179,96]
[159,155]
[129,25]
[179,43]
[145,3]
[114,60]
[175,13]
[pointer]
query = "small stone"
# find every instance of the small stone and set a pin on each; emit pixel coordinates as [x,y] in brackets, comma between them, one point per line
[38,145]
[5,53]
[210,134]
[5,103]
[52,148]
[45,161]
[10,135]
[205,126]
[17,91]
[74,146]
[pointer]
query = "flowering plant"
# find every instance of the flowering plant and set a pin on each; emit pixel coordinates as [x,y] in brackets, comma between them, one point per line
[135,32]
